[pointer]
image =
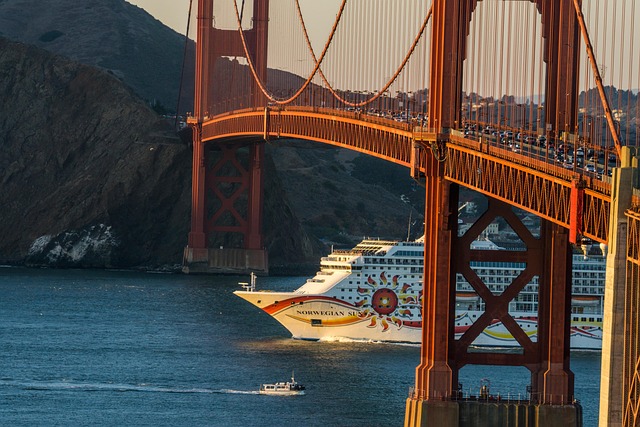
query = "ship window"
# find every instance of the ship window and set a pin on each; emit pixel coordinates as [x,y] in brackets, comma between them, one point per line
[316,322]
[259,301]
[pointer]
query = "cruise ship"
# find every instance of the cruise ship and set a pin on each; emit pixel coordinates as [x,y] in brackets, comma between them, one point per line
[373,292]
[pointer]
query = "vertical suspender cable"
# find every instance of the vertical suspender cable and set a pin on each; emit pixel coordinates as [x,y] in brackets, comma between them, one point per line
[607,73]
[627,101]
[184,61]
[509,68]
[501,64]
[542,76]
[493,61]
[531,61]
[393,49]
[357,51]
[492,66]
[634,83]
[377,48]
[622,86]
[407,77]
[472,64]
[386,53]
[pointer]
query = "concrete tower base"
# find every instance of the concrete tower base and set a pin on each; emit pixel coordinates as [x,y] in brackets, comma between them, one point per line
[490,414]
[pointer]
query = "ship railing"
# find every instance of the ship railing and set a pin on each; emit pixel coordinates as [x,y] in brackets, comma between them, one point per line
[346,251]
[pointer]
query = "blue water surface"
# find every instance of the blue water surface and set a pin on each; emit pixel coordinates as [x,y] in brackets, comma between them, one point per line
[103,348]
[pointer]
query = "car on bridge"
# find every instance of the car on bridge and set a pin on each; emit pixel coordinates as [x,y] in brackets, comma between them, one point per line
[489,130]
[542,141]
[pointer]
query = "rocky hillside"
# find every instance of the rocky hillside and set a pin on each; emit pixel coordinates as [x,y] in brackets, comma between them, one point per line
[91,176]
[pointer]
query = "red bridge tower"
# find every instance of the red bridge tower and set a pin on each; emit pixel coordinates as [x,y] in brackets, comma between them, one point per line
[226,207]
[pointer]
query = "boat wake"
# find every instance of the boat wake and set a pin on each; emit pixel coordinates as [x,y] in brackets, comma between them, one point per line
[110,387]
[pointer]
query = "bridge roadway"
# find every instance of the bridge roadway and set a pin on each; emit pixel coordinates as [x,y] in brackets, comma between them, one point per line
[529,182]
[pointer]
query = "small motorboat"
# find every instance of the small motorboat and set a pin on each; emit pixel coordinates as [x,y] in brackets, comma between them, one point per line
[289,388]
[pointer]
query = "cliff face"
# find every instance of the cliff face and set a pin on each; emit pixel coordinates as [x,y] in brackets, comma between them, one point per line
[82,156]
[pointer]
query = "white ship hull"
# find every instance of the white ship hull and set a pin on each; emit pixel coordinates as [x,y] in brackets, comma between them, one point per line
[374,293]
[320,318]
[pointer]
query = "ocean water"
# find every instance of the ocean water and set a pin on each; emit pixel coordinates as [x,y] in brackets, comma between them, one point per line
[115,348]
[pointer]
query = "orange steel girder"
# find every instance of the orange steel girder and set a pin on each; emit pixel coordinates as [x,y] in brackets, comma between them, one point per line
[231,182]
[549,258]
[536,186]
[385,139]
[497,306]
[211,44]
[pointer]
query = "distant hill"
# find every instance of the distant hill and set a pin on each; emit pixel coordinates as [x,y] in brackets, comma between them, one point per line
[111,34]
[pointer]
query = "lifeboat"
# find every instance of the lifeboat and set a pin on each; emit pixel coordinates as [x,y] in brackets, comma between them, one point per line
[585,300]
[467,297]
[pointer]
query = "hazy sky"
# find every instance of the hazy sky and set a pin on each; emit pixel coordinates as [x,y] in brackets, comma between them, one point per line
[319,16]
[173,13]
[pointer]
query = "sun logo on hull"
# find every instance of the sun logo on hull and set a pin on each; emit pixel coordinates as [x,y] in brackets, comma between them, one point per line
[388,303]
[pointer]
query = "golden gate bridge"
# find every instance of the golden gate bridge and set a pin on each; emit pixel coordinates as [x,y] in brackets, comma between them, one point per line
[533,103]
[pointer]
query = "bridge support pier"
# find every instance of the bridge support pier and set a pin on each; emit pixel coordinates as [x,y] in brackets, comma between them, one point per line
[491,414]
[614,335]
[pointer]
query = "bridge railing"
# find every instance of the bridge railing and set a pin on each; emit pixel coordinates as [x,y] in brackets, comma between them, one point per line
[529,159]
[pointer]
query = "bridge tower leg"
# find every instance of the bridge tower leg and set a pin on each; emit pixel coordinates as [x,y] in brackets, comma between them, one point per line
[434,400]
[562,54]
[554,380]
[227,179]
